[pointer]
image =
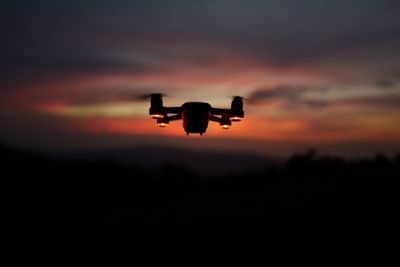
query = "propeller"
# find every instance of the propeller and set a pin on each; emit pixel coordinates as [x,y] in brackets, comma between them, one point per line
[137,96]
[247,100]
[235,97]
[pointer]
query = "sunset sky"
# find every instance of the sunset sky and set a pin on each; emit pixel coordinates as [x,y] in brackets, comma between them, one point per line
[323,74]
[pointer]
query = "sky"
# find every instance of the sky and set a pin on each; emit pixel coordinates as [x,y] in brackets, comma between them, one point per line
[316,74]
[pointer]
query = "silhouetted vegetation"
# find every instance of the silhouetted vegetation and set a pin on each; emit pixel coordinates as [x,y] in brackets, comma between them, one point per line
[314,199]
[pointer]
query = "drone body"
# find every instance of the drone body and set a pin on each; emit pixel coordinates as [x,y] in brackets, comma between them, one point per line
[196,115]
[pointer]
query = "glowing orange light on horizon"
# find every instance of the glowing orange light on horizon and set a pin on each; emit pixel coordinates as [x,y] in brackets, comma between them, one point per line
[225,126]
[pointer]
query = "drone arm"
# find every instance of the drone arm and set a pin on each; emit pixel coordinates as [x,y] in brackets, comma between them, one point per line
[174,117]
[173,110]
[215,119]
[163,122]
[220,111]
[224,121]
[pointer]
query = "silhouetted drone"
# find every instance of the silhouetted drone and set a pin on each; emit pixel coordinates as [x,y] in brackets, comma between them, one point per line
[195,115]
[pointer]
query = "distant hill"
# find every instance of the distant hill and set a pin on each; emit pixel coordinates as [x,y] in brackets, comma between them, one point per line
[202,162]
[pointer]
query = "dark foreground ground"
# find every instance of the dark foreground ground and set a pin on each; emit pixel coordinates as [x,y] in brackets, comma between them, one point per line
[315,207]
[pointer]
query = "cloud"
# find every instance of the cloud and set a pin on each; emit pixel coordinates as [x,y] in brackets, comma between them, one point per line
[282,91]
[296,97]
[47,38]
[389,100]
[386,83]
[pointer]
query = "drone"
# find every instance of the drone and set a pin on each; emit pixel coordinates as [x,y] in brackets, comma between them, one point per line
[195,115]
